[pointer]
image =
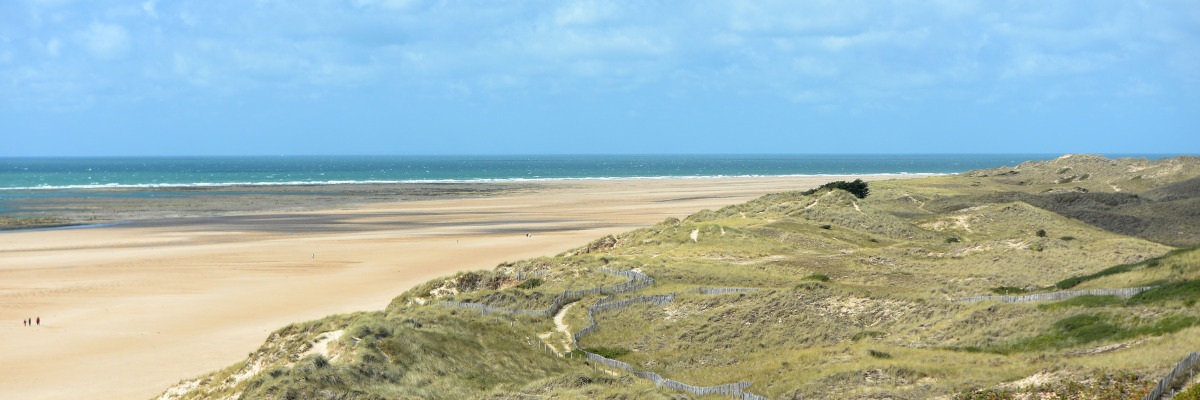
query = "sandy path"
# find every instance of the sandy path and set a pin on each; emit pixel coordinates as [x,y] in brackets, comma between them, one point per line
[559,324]
[564,344]
[129,310]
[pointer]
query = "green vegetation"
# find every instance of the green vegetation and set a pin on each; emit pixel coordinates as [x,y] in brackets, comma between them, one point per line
[1120,269]
[609,352]
[817,277]
[1087,328]
[1187,291]
[1191,393]
[1008,290]
[858,188]
[878,354]
[530,283]
[1102,385]
[883,328]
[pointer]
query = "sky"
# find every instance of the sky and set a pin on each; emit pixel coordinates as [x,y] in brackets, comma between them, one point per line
[130,78]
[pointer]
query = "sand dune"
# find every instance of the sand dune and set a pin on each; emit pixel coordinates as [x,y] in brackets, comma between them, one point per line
[129,310]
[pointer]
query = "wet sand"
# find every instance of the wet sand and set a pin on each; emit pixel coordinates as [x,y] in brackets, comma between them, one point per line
[130,309]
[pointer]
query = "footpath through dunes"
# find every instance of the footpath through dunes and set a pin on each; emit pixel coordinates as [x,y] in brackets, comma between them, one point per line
[818,296]
[131,309]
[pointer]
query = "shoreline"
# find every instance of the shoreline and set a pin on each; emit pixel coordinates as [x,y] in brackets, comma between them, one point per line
[85,208]
[129,310]
[256,185]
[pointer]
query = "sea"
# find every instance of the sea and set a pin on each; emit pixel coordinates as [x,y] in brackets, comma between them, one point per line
[48,177]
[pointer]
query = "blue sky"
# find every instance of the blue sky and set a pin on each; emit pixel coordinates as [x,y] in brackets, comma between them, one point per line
[100,77]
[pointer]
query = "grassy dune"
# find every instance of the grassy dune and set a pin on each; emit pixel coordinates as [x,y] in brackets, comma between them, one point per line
[853,300]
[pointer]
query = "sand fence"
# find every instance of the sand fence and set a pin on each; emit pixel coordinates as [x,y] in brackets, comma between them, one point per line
[1062,295]
[637,281]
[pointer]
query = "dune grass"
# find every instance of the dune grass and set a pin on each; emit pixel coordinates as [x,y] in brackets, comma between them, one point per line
[852,301]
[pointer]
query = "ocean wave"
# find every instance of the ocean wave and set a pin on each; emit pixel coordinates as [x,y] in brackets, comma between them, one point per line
[420,181]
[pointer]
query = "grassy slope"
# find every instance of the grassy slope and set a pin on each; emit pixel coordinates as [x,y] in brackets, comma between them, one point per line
[880,327]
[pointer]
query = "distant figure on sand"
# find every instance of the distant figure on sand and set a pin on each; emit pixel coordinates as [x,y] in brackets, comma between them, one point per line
[39,321]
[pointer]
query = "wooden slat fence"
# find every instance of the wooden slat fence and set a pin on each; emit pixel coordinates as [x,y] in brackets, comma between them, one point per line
[737,390]
[729,389]
[719,290]
[532,274]
[1062,295]
[1182,374]
[637,280]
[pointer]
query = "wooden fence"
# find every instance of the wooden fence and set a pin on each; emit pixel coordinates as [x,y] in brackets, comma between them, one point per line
[1062,295]
[1180,376]
[719,290]
[532,274]
[637,280]
[736,390]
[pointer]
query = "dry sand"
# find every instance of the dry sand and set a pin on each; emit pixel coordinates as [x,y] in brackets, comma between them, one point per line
[129,310]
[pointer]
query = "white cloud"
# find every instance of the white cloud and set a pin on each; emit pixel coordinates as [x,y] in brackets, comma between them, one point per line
[50,3]
[53,46]
[148,6]
[395,5]
[583,13]
[187,18]
[814,66]
[106,41]
[814,51]
[1027,63]
[1136,87]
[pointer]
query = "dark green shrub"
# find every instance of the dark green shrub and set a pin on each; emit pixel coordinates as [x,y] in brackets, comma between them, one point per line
[609,352]
[1184,290]
[808,286]
[952,239]
[1067,238]
[1041,233]
[826,226]
[1152,262]
[817,277]
[530,283]
[1007,290]
[878,354]
[858,188]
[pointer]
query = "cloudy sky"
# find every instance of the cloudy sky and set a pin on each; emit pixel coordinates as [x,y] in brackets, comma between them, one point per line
[101,77]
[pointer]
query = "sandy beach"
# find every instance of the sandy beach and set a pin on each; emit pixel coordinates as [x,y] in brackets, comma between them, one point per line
[128,310]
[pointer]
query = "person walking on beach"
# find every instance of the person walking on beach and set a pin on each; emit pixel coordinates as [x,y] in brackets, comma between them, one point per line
[39,321]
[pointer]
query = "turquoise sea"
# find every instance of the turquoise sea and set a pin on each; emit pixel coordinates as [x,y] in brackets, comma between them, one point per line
[26,178]
[149,172]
